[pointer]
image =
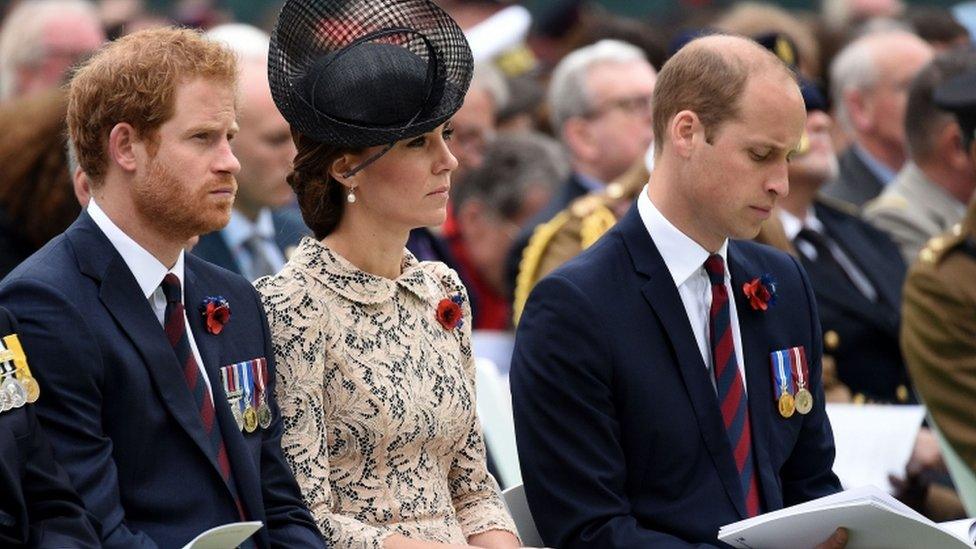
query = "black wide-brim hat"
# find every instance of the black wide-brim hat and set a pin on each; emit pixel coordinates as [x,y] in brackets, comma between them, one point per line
[367,72]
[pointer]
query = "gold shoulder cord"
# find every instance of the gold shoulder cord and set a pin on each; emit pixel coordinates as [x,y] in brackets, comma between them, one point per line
[531,258]
[600,220]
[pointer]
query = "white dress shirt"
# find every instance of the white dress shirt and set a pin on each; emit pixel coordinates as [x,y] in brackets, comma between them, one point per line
[792,225]
[149,273]
[685,260]
[240,229]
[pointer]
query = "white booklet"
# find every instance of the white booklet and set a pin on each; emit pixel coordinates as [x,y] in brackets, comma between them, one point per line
[873,518]
[227,536]
[873,441]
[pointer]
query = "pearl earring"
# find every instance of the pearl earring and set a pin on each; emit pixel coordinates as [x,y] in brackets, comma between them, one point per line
[351,197]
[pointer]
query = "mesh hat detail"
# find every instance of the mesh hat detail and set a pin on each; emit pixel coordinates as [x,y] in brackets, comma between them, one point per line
[369,72]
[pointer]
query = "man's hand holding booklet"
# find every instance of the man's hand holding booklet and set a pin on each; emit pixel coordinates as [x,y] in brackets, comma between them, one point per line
[872,518]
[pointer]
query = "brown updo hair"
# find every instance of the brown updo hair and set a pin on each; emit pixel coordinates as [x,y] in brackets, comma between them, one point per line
[321,199]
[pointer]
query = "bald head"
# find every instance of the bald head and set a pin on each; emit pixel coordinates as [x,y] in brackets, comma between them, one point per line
[708,77]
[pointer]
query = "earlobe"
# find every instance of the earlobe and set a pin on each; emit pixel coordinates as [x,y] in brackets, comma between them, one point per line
[122,147]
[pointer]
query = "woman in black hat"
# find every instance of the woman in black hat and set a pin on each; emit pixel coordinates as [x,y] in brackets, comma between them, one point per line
[373,349]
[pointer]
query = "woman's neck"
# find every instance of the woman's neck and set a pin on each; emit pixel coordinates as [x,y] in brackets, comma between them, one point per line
[373,247]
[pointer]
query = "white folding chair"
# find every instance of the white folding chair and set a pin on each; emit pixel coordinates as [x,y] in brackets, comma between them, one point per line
[497,421]
[519,508]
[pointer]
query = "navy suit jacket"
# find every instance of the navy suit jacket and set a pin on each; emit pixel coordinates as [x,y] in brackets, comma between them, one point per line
[289,230]
[38,507]
[117,408]
[620,436]
[868,356]
[855,183]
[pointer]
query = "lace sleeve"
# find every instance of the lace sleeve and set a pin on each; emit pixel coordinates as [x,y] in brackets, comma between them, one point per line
[475,494]
[297,322]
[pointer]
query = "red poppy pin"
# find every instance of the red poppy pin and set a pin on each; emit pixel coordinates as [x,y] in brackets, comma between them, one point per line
[216,313]
[761,292]
[449,312]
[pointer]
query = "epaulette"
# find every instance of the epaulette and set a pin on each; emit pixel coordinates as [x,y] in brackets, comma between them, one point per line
[938,246]
[838,204]
[584,205]
[887,201]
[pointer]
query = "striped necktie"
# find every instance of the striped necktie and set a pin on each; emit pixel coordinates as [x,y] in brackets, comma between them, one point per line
[728,383]
[175,327]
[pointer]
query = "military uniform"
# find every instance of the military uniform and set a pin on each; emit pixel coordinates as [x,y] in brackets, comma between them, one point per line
[574,229]
[913,209]
[38,507]
[938,335]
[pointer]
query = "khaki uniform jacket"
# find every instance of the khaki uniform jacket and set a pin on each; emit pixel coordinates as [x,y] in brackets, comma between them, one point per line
[912,210]
[938,333]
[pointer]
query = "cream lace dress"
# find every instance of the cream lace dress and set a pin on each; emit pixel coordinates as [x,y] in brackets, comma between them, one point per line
[378,401]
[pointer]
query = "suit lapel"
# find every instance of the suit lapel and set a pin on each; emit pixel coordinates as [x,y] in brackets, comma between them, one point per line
[864,253]
[122,297]
[245,474]
[755,358]
[663,298]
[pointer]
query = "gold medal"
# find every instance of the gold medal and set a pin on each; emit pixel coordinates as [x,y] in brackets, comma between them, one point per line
[32,389]
[250,419]
[804,401]
[264,415]
[786,405]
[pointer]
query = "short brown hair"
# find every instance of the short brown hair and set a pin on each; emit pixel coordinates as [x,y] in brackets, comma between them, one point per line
[134,80]
[708,82]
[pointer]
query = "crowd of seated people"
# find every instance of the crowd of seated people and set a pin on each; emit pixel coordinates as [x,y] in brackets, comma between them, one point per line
[252,272]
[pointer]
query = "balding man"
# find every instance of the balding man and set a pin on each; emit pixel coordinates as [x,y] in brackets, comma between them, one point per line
[646,410]
[869,80]
[930,194]
[261,231]
[600,109]
[41,40]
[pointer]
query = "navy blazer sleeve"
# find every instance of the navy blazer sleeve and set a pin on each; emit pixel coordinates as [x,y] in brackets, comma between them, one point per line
[38,505]
[568,432]
[66,361]
[289,523]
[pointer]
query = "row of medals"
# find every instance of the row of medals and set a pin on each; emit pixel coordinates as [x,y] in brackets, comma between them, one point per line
[250,417]
[788,404]
[17,389]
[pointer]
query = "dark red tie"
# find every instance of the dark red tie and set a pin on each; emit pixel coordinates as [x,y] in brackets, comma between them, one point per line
[175,327]
[728,383]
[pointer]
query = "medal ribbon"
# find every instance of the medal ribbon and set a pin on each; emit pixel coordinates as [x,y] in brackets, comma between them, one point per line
[259,368]
[782,375]
[20,359]
[238,375]
[800,363]
[249,383]
[225,381]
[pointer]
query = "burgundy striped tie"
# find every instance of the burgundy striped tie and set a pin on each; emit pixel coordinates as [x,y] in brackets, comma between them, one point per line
[728,383]
[175,327]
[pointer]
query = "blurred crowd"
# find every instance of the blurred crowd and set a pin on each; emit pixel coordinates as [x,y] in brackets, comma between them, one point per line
[555,140]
